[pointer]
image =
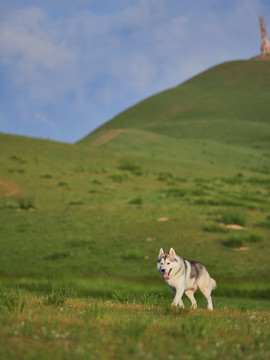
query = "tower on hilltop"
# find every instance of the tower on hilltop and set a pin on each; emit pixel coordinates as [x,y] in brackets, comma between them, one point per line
[265,47]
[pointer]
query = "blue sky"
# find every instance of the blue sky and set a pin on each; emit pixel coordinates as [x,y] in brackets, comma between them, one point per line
[68,66]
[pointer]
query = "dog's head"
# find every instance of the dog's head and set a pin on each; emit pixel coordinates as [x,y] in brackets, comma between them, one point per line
[167,263]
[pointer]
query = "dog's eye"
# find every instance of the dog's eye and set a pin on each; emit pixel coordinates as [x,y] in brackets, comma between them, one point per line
[168,263]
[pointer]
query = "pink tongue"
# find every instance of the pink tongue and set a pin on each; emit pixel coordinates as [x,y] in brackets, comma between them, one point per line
[166,276]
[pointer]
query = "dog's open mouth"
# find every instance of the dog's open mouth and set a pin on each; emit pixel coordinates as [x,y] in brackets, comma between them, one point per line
[167,276]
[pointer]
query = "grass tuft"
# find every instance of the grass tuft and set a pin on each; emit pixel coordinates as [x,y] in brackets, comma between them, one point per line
[136,200]
[57,255]
[239,239]
[165,176]
[25,203]
[265,223]
[12,300]
[214,227]
[59,296]
[131,166]
[117,177]
[230,216]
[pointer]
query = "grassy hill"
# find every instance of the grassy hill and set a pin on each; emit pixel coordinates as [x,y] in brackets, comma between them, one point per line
[90,219]
[228,103]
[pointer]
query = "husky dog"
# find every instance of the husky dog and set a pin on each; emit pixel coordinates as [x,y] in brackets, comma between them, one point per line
[183,275]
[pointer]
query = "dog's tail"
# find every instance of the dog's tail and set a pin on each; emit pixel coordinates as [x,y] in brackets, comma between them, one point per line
[213,283]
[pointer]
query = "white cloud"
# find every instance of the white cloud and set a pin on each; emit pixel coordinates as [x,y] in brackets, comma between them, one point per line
[33,50]
[43,119]
[134,48]
[29,36]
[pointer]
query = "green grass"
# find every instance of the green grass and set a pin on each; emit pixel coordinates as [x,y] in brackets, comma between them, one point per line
[84,328]
[98,213]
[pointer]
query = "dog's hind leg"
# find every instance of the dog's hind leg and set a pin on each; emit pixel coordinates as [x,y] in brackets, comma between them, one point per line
[190,295]
[209,300]
[206,289]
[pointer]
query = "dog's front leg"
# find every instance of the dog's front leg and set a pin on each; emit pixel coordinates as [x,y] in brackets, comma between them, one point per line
[178,298]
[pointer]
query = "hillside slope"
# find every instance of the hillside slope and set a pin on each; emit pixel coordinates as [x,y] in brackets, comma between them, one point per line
[89,216]
[228,103]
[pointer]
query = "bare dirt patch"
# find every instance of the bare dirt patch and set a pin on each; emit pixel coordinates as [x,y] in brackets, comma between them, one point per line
[242,248]
[161,219]
[150,239]
[232,227]
[103,139]
[9,188]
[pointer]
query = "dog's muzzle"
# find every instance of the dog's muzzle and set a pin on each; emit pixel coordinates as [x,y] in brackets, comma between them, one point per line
[166,275]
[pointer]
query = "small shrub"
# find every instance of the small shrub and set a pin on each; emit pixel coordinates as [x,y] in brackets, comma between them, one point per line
[93,191]
[239,239]
[117,177]
[176,192]
[25,203]
[224,201]
[233,217]
[197,192]
[233,241]
[264,223]
[81,243]
[233,180]
[137,173]
[212,226]
[253,237]
[57,256]
[259,181]
[165,176]
[76,202]
[129,166]
[17,158]
[136,200]
[62,183]
[201,180]
[18,171]
[46,176]
[96,182]
[171,182]
[179,179]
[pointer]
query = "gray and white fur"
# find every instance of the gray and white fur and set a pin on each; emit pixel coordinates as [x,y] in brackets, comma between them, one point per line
[185,276]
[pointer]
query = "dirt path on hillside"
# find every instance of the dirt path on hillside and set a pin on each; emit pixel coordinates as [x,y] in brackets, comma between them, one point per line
[103,139]
[9,188]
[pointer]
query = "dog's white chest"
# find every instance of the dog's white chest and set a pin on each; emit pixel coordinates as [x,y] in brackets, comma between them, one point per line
[181,283]
[176,282]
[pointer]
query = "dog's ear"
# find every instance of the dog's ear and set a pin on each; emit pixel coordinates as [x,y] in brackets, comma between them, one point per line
[161,252]
[172,252]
